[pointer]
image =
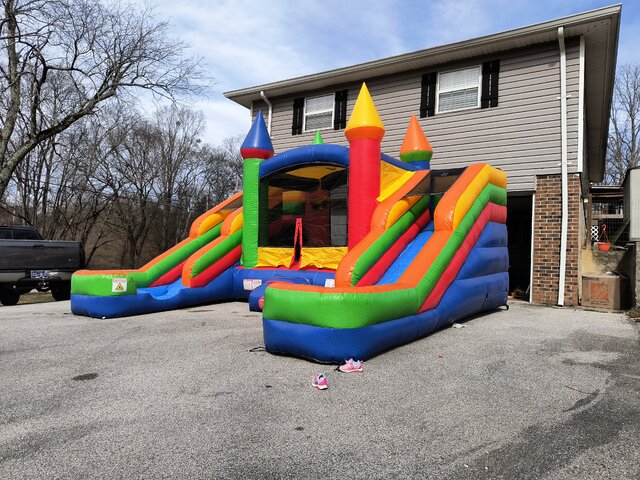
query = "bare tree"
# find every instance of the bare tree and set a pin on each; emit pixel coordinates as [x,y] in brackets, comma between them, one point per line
[87,199]
[178,155]
[65,58]
[131,175]
[223,171]
[60,186]
[623,149]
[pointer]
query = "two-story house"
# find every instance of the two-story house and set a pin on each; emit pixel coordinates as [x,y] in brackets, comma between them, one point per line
[533,101]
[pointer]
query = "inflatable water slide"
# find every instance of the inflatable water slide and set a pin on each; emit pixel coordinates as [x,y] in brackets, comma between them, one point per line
[348,252]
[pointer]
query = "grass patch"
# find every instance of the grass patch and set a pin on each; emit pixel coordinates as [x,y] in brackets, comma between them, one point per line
[35,297]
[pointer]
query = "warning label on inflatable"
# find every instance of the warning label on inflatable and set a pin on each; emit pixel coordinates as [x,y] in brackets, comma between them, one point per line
[251,283]
[118,285]
[330,283]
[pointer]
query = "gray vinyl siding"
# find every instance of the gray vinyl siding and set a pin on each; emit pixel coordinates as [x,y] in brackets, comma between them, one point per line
[521,135]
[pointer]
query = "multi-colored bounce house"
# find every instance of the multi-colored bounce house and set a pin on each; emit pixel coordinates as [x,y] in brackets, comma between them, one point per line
[349,252]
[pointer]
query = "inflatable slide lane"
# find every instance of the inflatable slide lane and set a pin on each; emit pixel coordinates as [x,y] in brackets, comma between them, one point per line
[197,270]
[401,283]
[431,251]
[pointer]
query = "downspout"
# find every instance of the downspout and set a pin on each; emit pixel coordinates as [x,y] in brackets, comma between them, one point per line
[581,108]
[266,100]
[564,222]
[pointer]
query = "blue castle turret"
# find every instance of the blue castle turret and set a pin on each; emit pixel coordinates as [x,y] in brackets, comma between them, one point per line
[258,143]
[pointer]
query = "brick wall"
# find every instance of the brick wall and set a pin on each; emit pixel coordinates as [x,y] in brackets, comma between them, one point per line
[546,240]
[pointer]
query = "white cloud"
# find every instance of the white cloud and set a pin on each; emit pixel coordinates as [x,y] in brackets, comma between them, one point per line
[224,119]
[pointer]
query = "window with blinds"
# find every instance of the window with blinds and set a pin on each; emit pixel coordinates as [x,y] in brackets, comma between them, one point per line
[459,89]
[318,113]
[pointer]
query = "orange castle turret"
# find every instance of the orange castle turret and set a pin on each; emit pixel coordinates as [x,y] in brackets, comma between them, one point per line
[415,147]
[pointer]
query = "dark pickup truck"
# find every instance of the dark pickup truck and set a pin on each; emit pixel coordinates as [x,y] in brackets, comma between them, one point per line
[27,262]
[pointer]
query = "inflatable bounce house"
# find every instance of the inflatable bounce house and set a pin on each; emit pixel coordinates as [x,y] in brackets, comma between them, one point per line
[348,252]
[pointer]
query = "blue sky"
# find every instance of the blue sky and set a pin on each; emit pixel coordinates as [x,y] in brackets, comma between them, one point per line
[249,42]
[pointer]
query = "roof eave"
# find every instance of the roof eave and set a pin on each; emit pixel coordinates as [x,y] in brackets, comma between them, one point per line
[597,167]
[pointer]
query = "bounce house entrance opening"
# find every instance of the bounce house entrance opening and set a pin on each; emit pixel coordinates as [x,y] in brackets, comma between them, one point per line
[304,208]
[440,181]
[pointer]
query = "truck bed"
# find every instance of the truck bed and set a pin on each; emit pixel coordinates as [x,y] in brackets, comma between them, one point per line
[27,255]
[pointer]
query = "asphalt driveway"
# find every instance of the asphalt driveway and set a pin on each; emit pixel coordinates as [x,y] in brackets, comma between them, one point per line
[531,392]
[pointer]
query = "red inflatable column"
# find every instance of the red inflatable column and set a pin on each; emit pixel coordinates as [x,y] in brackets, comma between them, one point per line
[364,132]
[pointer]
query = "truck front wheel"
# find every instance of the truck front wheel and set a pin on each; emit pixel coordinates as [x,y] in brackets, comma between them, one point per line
[9,296]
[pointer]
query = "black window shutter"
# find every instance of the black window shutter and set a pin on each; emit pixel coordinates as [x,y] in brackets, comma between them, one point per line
[298,112]
[340,110]
[428,95]
[490,75]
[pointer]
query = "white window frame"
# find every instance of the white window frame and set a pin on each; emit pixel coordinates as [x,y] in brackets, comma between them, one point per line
[333,112]
[477,67]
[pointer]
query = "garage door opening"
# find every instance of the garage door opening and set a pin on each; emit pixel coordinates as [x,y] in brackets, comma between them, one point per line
[519,212]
